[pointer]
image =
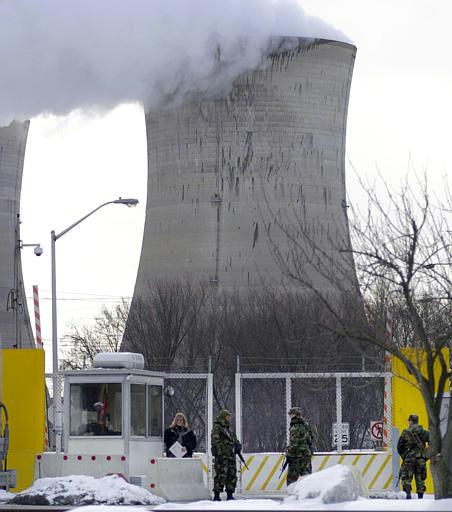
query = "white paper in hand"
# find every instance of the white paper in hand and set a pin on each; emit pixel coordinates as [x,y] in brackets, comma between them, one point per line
[178,450]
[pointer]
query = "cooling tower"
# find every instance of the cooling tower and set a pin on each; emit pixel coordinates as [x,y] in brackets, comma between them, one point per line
[221,171]
[15,328]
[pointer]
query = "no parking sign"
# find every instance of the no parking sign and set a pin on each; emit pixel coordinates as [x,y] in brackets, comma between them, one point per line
[376,430]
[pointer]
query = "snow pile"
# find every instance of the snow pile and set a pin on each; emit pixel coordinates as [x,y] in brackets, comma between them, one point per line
[85,490]
[332,485]
[5,496]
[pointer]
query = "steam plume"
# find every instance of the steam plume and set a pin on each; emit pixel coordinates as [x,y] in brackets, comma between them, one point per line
[56,56]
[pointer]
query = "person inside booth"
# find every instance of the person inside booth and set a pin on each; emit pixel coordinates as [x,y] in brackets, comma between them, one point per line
[95,409]
[100,428]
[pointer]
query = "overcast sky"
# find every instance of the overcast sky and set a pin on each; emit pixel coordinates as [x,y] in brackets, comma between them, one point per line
[400,111]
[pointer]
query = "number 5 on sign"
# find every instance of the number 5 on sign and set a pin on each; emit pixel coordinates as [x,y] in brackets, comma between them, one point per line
[345,432]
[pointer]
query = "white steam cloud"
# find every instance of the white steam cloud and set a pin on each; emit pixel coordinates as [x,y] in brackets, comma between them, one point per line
[59,55]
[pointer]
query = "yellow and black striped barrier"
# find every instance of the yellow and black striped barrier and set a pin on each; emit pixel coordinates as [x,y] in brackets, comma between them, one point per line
[264,474]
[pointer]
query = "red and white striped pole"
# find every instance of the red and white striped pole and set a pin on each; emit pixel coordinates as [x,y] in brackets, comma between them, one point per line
[37,317]
[387,405]
[40,345]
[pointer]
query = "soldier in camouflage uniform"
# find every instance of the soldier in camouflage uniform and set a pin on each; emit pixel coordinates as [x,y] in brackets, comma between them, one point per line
[225,446]
[300,448]
[411,447]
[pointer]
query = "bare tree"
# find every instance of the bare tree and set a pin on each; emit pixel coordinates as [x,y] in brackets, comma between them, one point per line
[104,336]
[402,251]
[163,321]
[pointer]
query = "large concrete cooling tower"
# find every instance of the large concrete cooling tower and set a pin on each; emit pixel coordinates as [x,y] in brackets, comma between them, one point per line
[217,167]
[15,328]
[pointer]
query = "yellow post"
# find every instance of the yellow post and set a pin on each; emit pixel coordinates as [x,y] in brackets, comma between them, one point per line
[407,399]
[23,393]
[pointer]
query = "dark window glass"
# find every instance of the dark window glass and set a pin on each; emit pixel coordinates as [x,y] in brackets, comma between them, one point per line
[138,410]
[155,411]
[96,409]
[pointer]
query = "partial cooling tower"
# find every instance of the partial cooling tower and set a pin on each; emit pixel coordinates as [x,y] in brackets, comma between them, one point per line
[15,328]
[217,167]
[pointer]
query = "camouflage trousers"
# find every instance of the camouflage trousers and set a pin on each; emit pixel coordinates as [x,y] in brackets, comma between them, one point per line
[413,467]
[298,467]
[225,475]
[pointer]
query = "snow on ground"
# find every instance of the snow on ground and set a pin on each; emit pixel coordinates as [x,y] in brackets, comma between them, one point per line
[362,504]
[335,488]
[5,496]
[111,493]
[85,490]
[107,508]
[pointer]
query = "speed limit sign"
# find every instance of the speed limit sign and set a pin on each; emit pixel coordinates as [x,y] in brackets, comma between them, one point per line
[345,434]
[376,430]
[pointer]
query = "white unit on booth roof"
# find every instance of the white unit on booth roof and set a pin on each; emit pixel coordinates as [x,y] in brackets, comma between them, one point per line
[128,360]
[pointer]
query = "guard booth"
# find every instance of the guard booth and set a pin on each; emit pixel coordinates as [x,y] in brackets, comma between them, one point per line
[121,407]
[113,423]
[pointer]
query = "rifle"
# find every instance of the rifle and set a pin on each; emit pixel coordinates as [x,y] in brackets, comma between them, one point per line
[283,467]
[398,480]
[420,445]
[238,452]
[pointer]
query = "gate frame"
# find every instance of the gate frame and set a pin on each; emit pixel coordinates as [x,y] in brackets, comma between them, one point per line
[288,376]
[208,376]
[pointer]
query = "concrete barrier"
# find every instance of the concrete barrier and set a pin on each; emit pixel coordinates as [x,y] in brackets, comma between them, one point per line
[178,479]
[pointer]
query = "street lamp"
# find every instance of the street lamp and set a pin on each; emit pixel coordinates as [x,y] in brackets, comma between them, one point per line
[56,391]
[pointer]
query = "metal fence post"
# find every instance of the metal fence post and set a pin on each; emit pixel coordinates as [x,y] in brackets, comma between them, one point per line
[339,413]
[209,424]
[387,405]
[57,413]
[288,406]
[238,401]
[238,411]
[395,460]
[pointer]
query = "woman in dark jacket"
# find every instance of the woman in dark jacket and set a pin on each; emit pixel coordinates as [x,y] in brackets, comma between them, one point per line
[179,431]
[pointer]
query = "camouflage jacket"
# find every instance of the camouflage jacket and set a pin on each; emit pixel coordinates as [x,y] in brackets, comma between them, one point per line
[412,442]
[300,439]
[224,441]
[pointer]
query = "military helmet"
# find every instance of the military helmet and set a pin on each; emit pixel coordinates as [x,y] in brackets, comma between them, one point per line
[295,411]
[414,418]
[223,413]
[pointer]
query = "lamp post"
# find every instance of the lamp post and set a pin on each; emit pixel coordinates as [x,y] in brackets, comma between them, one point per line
[57,423]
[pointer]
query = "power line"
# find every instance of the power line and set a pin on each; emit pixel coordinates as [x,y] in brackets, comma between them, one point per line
[81,299]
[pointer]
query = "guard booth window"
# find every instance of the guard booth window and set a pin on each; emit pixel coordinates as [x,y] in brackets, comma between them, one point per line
[155,411]
[138,409]
[96,409]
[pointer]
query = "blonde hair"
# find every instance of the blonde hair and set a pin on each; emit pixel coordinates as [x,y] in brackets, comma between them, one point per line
[181,415]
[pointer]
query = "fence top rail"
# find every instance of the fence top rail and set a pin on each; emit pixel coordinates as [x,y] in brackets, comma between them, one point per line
[165,375]
[176,375]
[311,375]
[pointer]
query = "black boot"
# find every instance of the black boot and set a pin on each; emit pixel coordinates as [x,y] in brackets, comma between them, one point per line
[216,496]
[408,495]
[230,495]
[420,495]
